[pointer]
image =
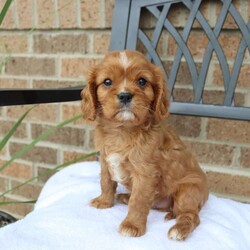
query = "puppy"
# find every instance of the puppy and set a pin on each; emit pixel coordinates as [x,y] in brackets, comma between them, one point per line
[126,97]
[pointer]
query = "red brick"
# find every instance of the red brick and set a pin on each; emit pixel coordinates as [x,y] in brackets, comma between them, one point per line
[229,184]
[214,154]
[3,184]
[44,112]
[13,43]
[147,20]
[69,111]
[25,14]
[245,157]
[228,130]
[77,67]
[45,10]
[36,154]
[161,45]
[141,48]
[44,174]
[69,155]
[62,136]
[28,191]
[91,14]
[217,75]
[217,97]
[13,83]
[229,22]
[5,127]
[229,42]
[243,80]
[205,8]
[67,12]
[54,84]
[3,153]
[30,66]
[17,170]
[53,44]
[197,44]
[186,125]
[101,43]
[209,96]
[178,14]
[16,209]
[183,75]
[109,10]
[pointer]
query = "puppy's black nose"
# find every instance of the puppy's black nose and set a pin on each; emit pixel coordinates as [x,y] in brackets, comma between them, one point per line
[125,97]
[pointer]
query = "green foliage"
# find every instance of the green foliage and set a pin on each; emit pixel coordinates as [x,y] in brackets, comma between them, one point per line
[13,129]
[32,144]
[36,140]
[4,10]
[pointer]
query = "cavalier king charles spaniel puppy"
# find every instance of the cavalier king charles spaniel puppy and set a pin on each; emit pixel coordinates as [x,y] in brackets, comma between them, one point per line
[127,100]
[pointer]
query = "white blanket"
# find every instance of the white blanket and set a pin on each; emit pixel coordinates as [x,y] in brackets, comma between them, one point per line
[62,219]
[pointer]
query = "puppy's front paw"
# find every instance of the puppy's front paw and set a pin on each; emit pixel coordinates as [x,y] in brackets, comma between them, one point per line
[101,202]
[179,231]
[131,230]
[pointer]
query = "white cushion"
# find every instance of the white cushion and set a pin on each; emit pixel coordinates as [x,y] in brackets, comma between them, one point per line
[63,219]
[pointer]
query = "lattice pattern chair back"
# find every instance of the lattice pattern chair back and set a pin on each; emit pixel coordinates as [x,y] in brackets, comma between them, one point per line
[164,26]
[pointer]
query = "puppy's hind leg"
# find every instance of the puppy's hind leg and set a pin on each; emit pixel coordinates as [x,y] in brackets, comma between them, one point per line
[187,204]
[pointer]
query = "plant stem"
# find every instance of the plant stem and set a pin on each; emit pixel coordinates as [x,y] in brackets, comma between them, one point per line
[4,10]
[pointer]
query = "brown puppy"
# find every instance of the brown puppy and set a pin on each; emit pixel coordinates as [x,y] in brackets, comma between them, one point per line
[126,97]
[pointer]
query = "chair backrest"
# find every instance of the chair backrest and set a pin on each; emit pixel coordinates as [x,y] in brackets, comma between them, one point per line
[135,35]
[129,32]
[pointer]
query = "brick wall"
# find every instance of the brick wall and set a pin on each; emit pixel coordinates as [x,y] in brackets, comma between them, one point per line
[52,43]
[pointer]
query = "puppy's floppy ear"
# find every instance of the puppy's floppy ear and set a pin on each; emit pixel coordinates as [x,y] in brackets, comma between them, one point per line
[89,97]
[161,102]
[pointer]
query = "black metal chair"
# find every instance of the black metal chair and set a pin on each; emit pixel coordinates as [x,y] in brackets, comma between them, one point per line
[127,32]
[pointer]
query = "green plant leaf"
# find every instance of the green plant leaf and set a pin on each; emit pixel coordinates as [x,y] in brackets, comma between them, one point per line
[13,129]
[83,157]
[4,10]
[38,139]
[17,202]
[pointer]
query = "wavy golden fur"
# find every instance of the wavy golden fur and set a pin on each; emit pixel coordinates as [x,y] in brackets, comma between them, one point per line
[127,99]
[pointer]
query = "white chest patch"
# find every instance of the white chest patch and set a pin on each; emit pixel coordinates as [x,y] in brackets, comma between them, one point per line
[124,59]
[114,161]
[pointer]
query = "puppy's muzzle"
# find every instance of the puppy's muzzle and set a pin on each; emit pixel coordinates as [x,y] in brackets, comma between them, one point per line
[125,98]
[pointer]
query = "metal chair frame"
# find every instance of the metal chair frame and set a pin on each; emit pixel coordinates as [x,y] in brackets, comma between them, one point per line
[127,32]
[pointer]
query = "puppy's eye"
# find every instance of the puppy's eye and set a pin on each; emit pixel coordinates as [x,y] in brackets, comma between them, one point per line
[142,82]
[107,82]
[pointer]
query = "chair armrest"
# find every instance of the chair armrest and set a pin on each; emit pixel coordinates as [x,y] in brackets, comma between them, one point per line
[10,97]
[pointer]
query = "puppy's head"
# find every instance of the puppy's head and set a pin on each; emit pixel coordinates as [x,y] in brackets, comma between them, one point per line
[125,88]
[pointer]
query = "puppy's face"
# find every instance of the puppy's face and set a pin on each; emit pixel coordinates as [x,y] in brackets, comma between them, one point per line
[125,88]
